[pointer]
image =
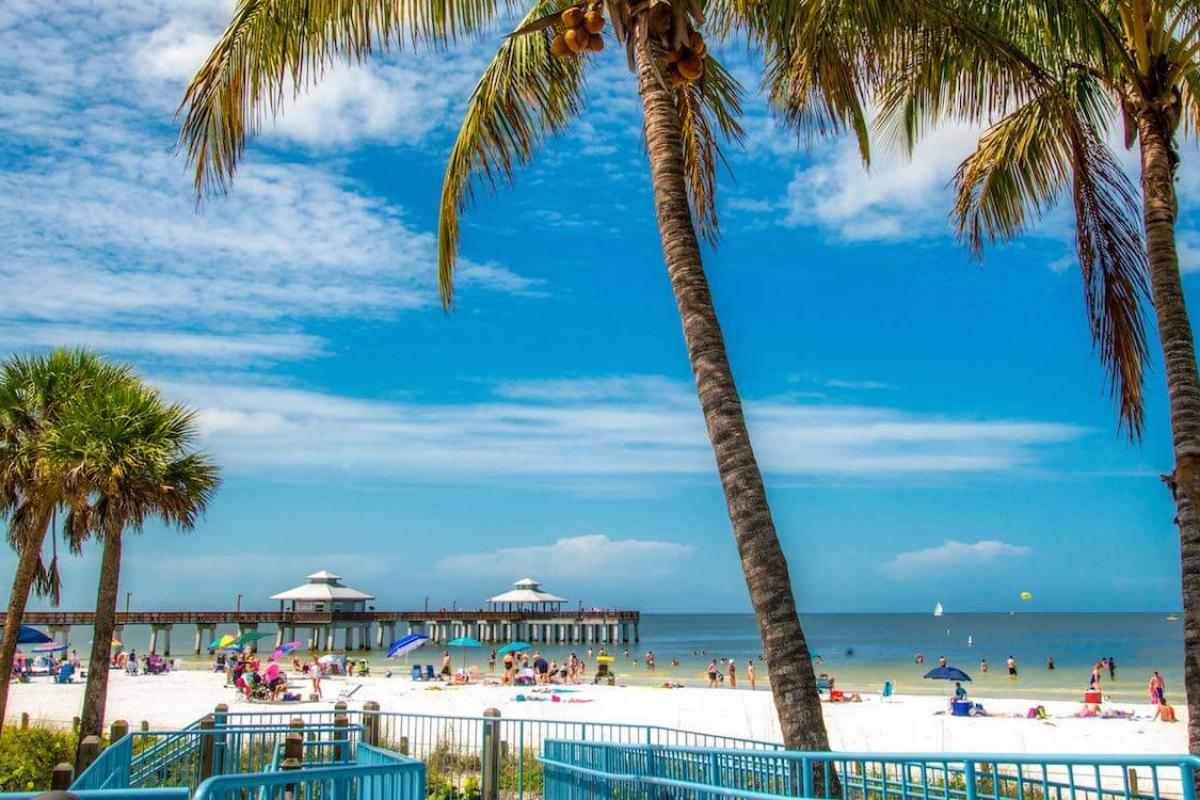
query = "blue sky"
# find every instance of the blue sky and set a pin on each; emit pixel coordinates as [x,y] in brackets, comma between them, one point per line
[931,429]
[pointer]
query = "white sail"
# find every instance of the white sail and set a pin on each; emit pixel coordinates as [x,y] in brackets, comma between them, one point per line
[937,610]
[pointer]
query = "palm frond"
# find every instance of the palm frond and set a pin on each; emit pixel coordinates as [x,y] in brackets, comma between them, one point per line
[1018,170]
[275,48]
[525,94]
[708,111]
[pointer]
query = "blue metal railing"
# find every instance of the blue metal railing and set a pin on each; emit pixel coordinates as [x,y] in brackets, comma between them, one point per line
[391,777]
[578,770]
[179,793]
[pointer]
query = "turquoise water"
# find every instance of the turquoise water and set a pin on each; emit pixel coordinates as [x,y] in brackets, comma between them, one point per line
[863,650]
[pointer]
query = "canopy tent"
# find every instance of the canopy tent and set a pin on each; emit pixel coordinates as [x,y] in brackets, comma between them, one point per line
[52,647]
[947,674]
[29,635]
[405,645]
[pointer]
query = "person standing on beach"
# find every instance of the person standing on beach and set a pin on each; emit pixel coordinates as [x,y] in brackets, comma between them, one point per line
[750,672]
[446,665]
[732,674]
[1158,689]
[1094,680]
[1012,668]
[712,674]
[314,674]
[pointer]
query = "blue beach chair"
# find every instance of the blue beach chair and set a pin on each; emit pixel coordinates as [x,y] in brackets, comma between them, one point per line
[416,673]
[64,674]
[430,675]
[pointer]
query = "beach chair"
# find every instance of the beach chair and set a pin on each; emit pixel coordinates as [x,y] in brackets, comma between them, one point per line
[64,673]
[416,673]
[430,675]
[824,683]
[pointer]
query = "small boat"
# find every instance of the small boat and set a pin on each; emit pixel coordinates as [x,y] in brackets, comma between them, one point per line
[1172,618]
[937,610]
[970,640]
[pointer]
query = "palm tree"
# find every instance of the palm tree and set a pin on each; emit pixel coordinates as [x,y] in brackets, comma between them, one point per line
[128,457]
[1050,79]
[35,393]
[533,88]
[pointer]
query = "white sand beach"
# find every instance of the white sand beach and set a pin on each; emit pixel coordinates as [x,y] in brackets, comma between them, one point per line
[901,724]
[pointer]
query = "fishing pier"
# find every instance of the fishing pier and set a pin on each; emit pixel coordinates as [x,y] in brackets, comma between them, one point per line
[330,616]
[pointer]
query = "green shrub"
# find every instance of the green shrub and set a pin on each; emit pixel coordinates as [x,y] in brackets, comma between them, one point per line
[29,755]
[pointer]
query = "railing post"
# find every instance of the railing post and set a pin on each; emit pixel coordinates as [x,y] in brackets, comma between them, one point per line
[490,788]
[207,726]
[293,757]
[117,731]
[371,723]
[341,738]
[24,720]
[61,777]
[969,778]
[220,756]
[89,750]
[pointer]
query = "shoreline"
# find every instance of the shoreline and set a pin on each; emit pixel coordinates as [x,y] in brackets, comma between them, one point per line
[904,723]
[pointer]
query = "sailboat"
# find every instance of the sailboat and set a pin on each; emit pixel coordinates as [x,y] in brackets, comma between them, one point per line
[937,610]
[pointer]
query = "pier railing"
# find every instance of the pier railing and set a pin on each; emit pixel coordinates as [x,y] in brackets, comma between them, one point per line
[576,770]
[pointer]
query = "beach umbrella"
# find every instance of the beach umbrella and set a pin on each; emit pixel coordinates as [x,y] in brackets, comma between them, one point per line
[464,642]
[221,642]
[947,674]
[248,637]
[52,647]
[1026,595]
[117,642]
[284,649]
[513,647]
[29,635]
[406,644]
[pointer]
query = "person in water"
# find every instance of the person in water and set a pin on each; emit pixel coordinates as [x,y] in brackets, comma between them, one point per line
[983,667]
[1050,663]
[1012,668]
[1112,668]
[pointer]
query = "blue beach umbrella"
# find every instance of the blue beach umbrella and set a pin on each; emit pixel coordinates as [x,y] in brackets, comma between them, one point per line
[52,647]
[514,647]
[29,635]
[947,674]
[464,642]
[406,644]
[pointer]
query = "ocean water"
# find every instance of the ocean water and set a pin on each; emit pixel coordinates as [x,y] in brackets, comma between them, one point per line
[863,650]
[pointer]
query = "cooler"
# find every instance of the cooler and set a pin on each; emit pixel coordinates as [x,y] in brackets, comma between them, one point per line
[1092,696]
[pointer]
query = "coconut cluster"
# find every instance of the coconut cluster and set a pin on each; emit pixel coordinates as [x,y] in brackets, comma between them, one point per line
[687,62]
[580,32]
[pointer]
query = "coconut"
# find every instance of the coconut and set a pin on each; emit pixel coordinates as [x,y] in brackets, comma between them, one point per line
[558,46]
[577,39]
[674,76]
[696,44]
[691,67]
[594,22]
[596,43]
[572,17]
[671,56]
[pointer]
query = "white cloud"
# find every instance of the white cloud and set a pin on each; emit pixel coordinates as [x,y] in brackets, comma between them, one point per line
[599,429]
[206,347]
[951,553]
[897,199]
[593,556]
[96,210]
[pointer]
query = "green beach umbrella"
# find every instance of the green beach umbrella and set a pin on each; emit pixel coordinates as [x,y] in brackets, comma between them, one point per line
[248,637]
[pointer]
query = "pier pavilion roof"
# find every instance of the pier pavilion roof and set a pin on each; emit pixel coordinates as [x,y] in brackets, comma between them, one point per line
[527,591]
[323,585]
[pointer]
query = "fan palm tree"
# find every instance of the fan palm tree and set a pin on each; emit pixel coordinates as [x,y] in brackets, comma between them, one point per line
[36,391]
[533,88]
[1050,79]
[128,457]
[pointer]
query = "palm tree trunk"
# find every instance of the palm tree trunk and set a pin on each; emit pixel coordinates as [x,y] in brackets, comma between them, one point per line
[27,564]
[95,693]
[793,684]
[1159,210]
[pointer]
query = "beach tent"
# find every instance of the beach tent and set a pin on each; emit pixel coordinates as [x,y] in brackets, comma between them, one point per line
[405,645]
[29,635]
[947,674]
[514,647]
